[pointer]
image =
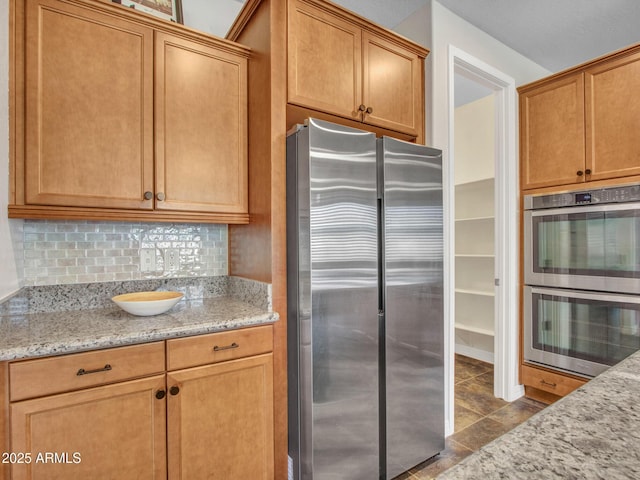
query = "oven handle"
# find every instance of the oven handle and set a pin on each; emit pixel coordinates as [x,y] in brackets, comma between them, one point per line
[588,295]
[608,207]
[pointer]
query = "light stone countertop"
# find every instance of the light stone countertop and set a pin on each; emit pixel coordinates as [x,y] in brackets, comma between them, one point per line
[55,333]
[592,433]
[28,330]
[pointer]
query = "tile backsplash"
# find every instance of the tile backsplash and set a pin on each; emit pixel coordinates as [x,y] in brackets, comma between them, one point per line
[67,252]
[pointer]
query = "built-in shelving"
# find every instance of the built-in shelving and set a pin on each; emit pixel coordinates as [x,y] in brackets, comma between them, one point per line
[474,253]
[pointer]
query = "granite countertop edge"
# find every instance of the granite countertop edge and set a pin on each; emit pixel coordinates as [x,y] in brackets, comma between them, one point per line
[593,432]
[57,333]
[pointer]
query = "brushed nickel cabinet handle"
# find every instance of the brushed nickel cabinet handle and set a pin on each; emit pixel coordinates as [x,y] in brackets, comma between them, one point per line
[82,371]
[160,196]
[552,385]
[148,195]
[228,347]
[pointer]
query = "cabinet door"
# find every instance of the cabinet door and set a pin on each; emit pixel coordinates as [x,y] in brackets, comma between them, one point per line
[392,85]
[613,118]
[89,108]
[220,422]
[201,127]
[552,133]
[115,431]
[324,62]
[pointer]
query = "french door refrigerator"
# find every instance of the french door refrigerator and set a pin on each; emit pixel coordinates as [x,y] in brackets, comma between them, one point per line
[365,306]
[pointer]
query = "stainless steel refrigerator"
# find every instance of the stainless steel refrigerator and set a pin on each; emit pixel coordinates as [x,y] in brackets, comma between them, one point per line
[365,306]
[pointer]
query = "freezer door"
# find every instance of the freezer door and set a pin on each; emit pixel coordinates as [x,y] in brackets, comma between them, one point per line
[337,303]
[411,188]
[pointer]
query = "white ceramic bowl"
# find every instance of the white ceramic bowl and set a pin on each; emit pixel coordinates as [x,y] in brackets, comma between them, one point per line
[145,304]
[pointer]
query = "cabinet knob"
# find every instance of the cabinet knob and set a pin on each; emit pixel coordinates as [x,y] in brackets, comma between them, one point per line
[160,196]
[579,173]
[174,390]
[160,394]
[588,171]
[369,110]
[362,108]
[148,195]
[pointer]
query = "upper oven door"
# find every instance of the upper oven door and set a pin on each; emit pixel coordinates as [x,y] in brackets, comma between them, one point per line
[590,248]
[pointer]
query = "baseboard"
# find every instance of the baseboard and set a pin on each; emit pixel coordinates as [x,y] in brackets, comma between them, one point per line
[476,353]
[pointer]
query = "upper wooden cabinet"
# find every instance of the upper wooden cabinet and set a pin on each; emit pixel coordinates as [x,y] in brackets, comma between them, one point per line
[201,127]
[552,132]
[125,117]
[579,126]
[89,108]
[340,64]
[613,117]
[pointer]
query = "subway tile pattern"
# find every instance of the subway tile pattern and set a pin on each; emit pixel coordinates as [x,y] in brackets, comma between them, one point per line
[17,241]
[70,252]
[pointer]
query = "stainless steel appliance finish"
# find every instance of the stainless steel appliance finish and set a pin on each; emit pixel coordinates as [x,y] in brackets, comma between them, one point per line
[621,194]
[365,322]
[579,331]
[582,276]
[410,184]
[589,240]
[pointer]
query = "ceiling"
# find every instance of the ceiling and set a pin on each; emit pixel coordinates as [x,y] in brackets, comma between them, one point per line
[556,34]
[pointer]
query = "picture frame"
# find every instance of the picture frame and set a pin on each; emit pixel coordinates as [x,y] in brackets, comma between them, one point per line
[170,10]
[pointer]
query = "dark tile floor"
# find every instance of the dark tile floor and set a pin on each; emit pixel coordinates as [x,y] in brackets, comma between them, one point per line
[479,417]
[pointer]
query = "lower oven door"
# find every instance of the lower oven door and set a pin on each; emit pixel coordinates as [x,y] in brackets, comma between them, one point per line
[580,332]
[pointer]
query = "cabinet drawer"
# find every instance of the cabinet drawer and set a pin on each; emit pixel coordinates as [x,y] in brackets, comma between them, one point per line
[555,383]
[218,347]
[35,378]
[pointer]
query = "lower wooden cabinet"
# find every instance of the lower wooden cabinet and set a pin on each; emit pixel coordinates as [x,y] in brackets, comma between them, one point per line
[114,431]
[547,386]
[117,413]
[207,438]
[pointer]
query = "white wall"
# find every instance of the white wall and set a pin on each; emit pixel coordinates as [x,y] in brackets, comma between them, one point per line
[475,141]
[451,30]
[9,229]
[214,17]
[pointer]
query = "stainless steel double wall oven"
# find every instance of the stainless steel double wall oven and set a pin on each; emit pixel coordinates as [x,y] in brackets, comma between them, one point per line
[582,278]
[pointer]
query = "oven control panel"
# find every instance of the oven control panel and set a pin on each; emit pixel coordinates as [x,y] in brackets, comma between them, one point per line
[622,194]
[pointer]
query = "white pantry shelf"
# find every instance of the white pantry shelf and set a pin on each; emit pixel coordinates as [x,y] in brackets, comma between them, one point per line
[469,328]
[476,219]
[468,291]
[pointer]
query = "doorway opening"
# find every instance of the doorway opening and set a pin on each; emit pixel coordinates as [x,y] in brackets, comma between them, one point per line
[483,195]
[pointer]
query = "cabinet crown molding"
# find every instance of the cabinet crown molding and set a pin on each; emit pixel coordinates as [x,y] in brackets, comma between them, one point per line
[630,50]
[334,9]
